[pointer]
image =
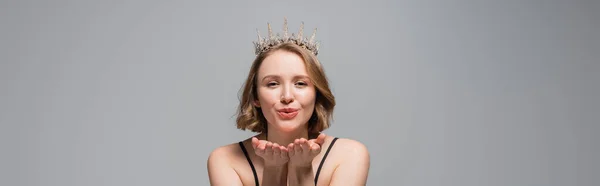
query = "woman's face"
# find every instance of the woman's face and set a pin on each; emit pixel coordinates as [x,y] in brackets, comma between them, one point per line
[286,95]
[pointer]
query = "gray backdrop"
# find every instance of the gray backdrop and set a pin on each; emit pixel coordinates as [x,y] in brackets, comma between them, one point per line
[458,92]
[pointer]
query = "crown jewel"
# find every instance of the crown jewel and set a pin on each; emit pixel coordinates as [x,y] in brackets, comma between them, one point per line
[264,44]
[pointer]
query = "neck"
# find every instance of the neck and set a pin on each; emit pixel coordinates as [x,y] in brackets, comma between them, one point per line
[287,137]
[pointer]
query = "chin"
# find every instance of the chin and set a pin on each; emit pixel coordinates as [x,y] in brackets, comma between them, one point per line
[288,126]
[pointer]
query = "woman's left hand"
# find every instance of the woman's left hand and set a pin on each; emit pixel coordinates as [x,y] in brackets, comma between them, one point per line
[303,151]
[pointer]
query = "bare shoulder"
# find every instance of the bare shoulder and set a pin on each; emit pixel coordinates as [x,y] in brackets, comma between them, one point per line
[220,165]
[351,148]
[352,162]
[223,154]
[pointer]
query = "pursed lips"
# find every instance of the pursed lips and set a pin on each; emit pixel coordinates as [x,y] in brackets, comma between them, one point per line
[287,113]
[287,110]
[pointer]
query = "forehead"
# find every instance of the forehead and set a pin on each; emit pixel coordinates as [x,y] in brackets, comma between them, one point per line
[282,63]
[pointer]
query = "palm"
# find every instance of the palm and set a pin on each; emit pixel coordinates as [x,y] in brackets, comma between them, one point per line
[272,153]
[303,151]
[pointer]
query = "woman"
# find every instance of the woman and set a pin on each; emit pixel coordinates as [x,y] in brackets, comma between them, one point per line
[286,99]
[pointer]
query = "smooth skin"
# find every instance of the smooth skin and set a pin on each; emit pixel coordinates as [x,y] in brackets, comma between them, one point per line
[291,155]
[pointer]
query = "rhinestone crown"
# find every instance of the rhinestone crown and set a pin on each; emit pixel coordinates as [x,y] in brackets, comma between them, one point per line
[264,44]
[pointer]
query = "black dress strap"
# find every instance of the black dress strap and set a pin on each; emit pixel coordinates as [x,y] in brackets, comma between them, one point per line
[249,162]
[323,160]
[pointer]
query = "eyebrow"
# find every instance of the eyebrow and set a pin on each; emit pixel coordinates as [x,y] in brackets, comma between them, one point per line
[277,76]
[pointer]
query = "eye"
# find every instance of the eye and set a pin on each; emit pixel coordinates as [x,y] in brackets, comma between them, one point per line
[272,84]
[301,83]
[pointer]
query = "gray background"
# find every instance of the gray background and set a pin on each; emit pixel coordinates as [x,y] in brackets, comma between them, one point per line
[456,92]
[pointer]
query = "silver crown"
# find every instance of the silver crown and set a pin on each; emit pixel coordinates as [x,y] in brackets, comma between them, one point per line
[264,44]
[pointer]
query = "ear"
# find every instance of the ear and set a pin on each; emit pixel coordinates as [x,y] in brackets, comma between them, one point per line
[256,103]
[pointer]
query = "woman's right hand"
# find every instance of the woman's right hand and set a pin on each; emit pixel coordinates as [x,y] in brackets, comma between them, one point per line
[273,154]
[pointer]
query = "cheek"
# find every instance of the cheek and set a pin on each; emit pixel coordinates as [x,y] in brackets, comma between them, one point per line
[307,98]
[267,97]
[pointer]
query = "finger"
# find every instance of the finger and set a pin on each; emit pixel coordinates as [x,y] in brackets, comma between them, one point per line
[262,144]
[321,139]
[315,149]
[276,149]
[291,151]
[284,153]
[255,142]
[304,145]
[260,149]
[297,146]
[269,148]
[310,142]
[259,152]
[284,148]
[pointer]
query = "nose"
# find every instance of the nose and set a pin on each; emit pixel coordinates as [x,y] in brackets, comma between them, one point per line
[286,100]
[287,97]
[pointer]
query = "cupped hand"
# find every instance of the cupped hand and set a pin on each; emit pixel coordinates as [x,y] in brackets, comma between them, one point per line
[273,154]
[303,151]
